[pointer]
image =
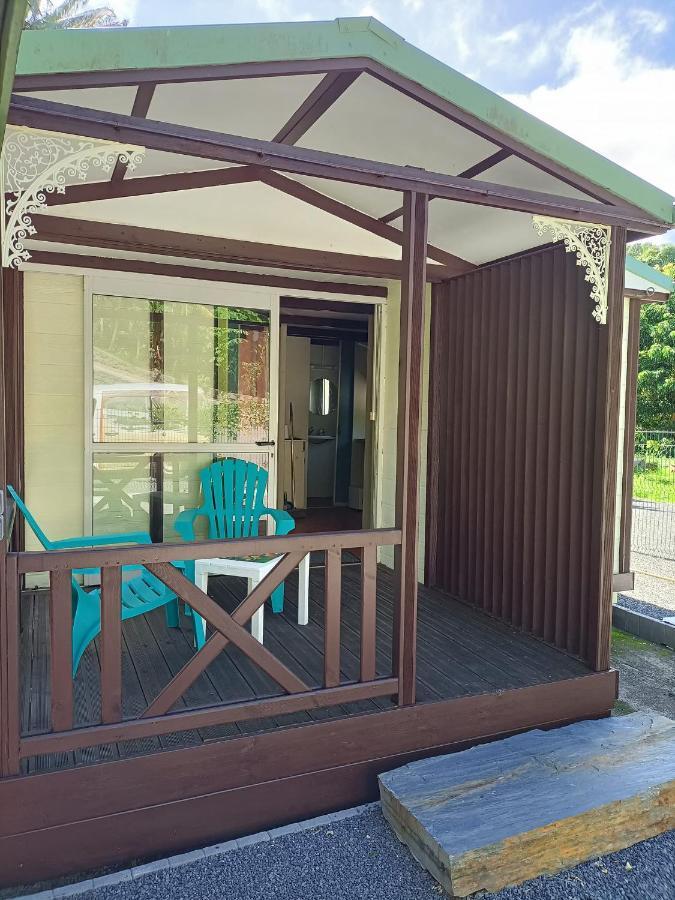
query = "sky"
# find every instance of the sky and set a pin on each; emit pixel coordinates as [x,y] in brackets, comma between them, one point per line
[603,72]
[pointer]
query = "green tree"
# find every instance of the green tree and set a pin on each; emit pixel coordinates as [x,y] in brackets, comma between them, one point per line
[656,373]
[70,14]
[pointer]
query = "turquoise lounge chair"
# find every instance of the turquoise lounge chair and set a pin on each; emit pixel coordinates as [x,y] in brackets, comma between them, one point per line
[233,502]
[141,593]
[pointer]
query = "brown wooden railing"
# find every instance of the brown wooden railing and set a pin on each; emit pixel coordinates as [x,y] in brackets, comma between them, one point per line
[226,629]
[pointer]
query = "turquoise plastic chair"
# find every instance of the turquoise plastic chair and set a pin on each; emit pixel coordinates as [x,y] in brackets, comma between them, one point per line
[233,502]
[140,594]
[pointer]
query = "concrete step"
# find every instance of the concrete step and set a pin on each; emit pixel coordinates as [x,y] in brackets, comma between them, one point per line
[536,803]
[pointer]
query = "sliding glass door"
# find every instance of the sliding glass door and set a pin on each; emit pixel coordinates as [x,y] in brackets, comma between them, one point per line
[175,384]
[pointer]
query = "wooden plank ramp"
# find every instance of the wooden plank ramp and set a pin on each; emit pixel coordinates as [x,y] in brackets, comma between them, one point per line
[536,803]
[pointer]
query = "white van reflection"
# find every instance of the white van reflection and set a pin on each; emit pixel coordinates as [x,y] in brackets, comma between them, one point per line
[140,412]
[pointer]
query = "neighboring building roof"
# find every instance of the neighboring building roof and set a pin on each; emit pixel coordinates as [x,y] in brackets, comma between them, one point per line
[641,277]
[12,14]
[44,52]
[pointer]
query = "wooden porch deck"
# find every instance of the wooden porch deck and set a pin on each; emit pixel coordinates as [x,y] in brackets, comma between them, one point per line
[460,652]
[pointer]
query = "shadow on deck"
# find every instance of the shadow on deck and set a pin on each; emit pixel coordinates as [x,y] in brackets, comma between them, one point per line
[460,652]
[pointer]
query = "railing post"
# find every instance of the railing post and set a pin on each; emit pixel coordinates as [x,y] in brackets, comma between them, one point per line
[10,735]
[368,613]
[331,623]
[111,644]
[413,285]
[61,648]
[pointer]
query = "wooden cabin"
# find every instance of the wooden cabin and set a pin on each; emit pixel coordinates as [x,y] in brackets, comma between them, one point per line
[312,247]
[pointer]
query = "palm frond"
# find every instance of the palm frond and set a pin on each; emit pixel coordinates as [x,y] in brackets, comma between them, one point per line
[70,14]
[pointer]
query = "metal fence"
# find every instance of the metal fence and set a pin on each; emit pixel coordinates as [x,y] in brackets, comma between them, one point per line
[654,494]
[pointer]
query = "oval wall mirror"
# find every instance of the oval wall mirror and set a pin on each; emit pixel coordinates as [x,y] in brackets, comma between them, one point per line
[322,396]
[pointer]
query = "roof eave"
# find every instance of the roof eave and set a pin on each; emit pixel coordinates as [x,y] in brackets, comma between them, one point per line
[45,52]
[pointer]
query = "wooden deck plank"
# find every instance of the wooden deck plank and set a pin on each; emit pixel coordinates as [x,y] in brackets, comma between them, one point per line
[516,645]
[26,663]
[230,592]
[154,673]
[134,700]
[351,639]
[349,659]
[40,694]
[477,665]
[461,651]
[434,679]
[312,636]
[177,646]
[87,698]
[250,681]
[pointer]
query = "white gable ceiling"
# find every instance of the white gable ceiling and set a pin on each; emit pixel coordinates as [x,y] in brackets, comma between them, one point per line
[370,120]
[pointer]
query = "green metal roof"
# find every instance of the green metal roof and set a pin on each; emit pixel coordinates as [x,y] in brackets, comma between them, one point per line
[642,270]
[43,52]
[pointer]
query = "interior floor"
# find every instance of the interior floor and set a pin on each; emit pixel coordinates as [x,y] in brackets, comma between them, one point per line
[327,518]
[460,652]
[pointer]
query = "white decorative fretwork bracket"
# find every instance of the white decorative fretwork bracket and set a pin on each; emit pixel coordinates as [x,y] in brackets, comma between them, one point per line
[36,163]
[591,245]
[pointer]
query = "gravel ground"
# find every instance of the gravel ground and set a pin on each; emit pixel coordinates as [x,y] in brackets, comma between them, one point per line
[645,609]
[654,586]
[361,859]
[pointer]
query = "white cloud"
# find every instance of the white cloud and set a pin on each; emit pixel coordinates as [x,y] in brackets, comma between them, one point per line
[125,9]
[649,20]
[612,100]
[370,10]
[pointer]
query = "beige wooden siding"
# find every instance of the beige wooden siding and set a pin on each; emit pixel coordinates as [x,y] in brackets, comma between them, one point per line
[385,463]
[54,403]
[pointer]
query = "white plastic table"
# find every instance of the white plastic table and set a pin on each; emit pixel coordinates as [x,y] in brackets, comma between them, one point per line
[254,571]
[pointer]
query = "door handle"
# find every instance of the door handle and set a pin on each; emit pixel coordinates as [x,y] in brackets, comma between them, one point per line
[264,443]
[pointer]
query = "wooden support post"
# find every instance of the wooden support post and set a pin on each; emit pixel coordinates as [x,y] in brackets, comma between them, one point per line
[10,735]
[413,282]
[12,325]
[605,466]
[630,406]
[9,580]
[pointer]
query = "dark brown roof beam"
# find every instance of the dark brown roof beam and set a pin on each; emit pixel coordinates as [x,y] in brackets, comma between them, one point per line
[79,262]
[136,239]
[324,95]
[155,184]
[171,138]
[62,81]
[471,172]
[453,264]
[140,108]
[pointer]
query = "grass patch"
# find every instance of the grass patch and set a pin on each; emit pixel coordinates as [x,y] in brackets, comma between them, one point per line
[656,482]
[621,708]
[621,640]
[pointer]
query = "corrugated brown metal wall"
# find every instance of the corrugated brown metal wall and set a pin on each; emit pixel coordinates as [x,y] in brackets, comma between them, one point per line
[514,362]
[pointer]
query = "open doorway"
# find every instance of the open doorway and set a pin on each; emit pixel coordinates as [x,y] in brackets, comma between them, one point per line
[324,413]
